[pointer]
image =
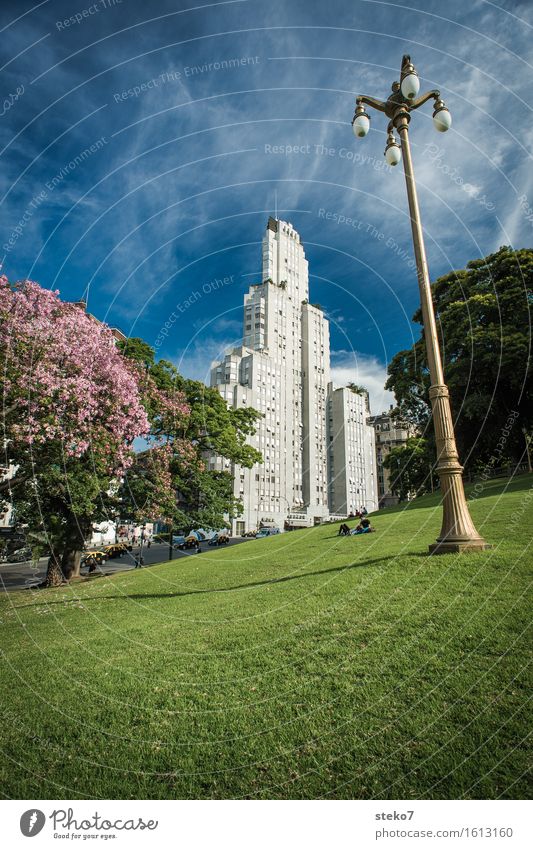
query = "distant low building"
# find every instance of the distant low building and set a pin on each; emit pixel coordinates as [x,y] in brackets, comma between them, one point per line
[390,432]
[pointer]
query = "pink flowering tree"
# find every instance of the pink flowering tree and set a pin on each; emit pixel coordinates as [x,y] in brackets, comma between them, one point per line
[71,410]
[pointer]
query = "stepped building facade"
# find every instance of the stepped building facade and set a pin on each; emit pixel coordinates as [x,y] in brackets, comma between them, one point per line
[390,432]
[318,451]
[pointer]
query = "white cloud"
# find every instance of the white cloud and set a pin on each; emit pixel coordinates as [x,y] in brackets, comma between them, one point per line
[195,361]
[367,371]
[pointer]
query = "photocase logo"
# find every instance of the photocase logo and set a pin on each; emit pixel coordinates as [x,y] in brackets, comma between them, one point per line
[32,822]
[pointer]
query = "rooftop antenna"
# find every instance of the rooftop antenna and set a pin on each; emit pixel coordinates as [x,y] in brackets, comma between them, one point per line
[276,204]
[85,295]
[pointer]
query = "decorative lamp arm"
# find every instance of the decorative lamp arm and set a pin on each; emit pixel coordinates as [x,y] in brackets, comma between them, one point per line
[372,101]
[435,94]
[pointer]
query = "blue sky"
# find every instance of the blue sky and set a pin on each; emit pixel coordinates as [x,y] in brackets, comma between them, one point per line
[140,160]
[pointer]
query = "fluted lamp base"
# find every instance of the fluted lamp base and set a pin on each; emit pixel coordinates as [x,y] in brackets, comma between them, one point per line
[458,532]
[456,546]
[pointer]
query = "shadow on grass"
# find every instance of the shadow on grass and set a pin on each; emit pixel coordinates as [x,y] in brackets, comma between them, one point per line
[251,585]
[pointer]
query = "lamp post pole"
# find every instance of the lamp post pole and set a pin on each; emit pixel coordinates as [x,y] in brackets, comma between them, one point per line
[458,532]
[170,545]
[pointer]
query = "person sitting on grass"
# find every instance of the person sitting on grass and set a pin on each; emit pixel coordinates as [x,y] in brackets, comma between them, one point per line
[364,527]
[344,530]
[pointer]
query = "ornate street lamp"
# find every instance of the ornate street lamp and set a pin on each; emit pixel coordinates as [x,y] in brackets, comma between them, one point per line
[458,532]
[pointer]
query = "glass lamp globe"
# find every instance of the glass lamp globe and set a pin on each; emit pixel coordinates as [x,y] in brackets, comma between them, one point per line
[442,120]
[393,154]
[410,86]
[361,125]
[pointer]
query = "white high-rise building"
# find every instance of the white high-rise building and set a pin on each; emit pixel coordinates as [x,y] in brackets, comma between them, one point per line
[352,459]
[282,370]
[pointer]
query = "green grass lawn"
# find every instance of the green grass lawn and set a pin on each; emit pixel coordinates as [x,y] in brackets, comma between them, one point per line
[300,666]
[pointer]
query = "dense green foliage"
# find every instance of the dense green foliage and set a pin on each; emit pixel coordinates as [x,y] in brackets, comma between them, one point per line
[305,665]
[192,495]
[484,322]
[410,468]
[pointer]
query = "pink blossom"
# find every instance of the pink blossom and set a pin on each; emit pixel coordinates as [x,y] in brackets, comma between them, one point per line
[65,379]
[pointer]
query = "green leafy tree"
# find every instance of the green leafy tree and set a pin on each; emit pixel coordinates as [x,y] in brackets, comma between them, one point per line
[206,498]
[214,426]
[193,495]
[484,323]
[410,467]
[146,491]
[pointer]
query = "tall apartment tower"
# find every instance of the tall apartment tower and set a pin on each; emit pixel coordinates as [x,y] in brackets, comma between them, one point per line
[282,370]
[352,457]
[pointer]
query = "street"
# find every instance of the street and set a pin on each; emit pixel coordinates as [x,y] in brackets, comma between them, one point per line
[18,576]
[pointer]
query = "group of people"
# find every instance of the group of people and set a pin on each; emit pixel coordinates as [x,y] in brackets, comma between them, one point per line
[364,527]
[359,514]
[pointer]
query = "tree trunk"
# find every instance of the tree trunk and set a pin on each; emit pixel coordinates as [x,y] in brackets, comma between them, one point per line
[78,527]
[54,573]
[71,562]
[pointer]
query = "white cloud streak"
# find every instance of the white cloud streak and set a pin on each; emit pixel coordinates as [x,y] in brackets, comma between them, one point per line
[367,371]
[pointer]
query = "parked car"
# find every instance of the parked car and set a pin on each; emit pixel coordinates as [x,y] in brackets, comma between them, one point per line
[115,550]
[185,542]
[267,532]
[14,547]
[219,539]
[92,559]
[249,534]
[119,547]
[20,555]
